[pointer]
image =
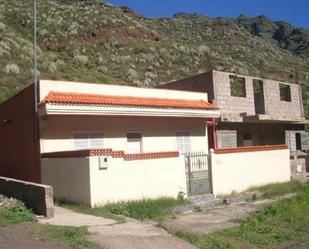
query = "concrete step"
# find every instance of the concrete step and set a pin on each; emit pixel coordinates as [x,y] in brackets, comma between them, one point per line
[195,199]
[203,201]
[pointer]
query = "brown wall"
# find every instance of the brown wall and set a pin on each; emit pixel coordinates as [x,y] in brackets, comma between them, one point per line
[262,134]
[198,83]
[19,140]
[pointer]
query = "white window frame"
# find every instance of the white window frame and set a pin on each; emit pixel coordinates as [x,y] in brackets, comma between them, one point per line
[88,132]
[141,142]
[177,136]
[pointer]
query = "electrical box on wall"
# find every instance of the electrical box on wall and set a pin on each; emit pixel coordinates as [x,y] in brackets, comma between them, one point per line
[103,162]
[299,168]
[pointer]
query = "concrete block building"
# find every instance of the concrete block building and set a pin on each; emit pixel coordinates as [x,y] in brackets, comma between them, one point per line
[254,111]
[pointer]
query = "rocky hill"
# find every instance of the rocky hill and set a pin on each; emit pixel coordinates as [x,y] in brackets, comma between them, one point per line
[97,42]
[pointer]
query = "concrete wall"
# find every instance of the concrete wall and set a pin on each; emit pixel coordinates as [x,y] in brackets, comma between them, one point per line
[158,134]
[19,139]
[80,87]
[217,85]
[299,168]
[80,179]
[131,180]
[70,178]
[230,104]
[239,171]
[275,107]
[35,196]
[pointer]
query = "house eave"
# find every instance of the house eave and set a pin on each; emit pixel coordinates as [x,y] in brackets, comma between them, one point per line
[105,110]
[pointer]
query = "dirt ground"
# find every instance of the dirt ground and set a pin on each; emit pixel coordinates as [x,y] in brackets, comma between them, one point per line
[301,244]
[209,221]
[22,237]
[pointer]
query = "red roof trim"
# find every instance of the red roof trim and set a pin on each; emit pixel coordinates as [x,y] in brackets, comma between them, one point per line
[110,152]
[80,98]
[251,149]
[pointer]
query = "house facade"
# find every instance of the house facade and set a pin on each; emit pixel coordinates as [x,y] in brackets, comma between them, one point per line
[97,143]
[254,111]
[100,143]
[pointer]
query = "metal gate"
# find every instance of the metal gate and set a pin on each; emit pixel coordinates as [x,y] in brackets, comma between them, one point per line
[197,172]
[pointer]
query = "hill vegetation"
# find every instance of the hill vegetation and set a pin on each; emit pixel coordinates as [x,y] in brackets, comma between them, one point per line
[97,42]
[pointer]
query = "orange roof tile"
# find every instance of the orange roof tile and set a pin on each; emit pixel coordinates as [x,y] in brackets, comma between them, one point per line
[81,98]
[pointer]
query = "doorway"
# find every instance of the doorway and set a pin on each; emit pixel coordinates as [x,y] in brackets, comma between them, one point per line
[259,103]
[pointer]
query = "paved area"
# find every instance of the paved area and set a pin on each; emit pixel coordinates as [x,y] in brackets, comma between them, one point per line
[111,235]
[137,235]
[66,217]
[214,219]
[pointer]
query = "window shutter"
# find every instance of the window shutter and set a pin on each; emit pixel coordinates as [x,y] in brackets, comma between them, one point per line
[88,140]
[304,141]
[227,139]
[96,140]
[134,143]
[80,141]
[183,140]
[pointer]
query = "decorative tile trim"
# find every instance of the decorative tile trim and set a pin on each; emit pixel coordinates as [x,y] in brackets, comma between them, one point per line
[110,152]
[251,149]
[149,156]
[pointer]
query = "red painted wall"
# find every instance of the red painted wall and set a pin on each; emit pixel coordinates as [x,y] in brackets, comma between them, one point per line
[198,83]
[19,139]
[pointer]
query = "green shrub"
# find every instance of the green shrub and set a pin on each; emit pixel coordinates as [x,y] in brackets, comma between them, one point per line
[155,209]
[15,215]
[279,189]
[73,237]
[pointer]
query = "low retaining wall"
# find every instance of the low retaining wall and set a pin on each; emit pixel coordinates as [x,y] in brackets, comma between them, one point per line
[38,197]
[92,181]
[237,169]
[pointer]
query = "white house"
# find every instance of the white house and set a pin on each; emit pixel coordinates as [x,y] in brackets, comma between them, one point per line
[103,143]
[97,143]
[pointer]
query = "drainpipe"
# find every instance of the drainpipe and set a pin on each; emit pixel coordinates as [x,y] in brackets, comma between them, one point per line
[214,133]
[212,124]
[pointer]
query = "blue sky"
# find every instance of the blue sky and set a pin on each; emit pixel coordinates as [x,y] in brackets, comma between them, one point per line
[295,12]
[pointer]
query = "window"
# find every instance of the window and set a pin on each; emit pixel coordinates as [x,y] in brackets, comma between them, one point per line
[183,140]
[297,140]
[238,86]
[258,91]
[285,92]
[227,138]
[134,143]
[88,140]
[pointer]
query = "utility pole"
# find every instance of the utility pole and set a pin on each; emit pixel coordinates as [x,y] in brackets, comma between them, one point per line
[35,54]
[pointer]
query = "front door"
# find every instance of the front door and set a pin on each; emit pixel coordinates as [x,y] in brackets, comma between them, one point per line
[197,168]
